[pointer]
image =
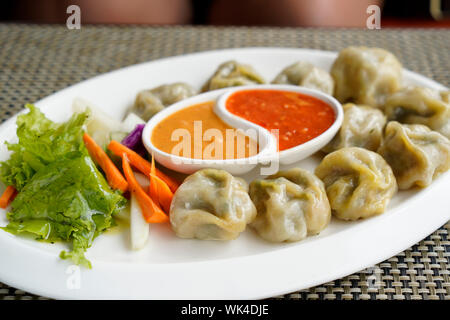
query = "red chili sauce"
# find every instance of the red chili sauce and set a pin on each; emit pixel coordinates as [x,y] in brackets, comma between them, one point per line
[298,117]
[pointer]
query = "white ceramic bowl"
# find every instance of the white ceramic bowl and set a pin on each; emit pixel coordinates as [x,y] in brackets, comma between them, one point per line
[266,141]
[267,144]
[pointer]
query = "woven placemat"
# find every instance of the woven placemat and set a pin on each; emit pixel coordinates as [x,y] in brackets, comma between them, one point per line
[36,61]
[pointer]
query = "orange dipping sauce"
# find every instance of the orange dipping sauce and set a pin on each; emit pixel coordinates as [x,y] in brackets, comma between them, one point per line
[298,117]
[196,132]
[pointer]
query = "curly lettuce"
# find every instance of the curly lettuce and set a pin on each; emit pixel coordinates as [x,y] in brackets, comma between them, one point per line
[62,195]
[41,141]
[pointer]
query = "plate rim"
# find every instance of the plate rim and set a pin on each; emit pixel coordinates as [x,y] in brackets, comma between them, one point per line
[26,283]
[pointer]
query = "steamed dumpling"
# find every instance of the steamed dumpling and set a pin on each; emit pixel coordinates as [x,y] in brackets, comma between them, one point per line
[232,74]
[211,205]
[150,102]
[359,183]
[417,105]
[307,75]
[362,127]
[290,204]
[416,154]
[366,75]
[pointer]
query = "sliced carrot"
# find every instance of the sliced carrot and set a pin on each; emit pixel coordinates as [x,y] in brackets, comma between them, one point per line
[150,210]
[153,187]
[159,190]
[113,175]
[165,195]
[141,164]
[7,197]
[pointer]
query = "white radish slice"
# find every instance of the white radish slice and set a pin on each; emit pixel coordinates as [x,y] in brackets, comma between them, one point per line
[99,124]
[139,228]
[131,121]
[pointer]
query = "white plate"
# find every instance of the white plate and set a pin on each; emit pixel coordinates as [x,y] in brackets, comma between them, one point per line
[172,268]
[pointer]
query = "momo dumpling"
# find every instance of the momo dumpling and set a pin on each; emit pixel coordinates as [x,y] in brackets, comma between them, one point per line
[359,183]
[211,205]
[362,127]
[232,74]
[416,154]
[418,105]
[150,102]
[366,75]
[290,205]
[307,75]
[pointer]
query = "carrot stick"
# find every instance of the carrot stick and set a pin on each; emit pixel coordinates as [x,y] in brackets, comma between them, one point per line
[7,197]
[152,212]
[165,195]
[140,163]
[113,175]
[153,187]
[159,190]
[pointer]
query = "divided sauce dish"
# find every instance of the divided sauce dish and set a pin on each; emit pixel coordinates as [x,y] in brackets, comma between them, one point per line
[267,142]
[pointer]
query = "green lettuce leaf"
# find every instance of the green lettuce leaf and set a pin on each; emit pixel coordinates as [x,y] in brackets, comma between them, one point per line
[41,142]
[63,196]
[66,200]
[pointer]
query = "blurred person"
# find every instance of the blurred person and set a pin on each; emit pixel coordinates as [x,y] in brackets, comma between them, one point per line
[317,13]
[349,13]
[102,11]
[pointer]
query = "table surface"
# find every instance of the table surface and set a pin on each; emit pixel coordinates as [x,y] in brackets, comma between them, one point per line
[38,60]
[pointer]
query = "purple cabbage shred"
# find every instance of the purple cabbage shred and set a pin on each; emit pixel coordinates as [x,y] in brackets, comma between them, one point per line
[134,140]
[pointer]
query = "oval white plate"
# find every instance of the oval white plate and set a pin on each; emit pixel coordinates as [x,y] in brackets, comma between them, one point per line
[172,268]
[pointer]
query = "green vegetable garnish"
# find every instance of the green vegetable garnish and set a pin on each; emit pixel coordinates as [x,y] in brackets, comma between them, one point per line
[62,195]
[41,141]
